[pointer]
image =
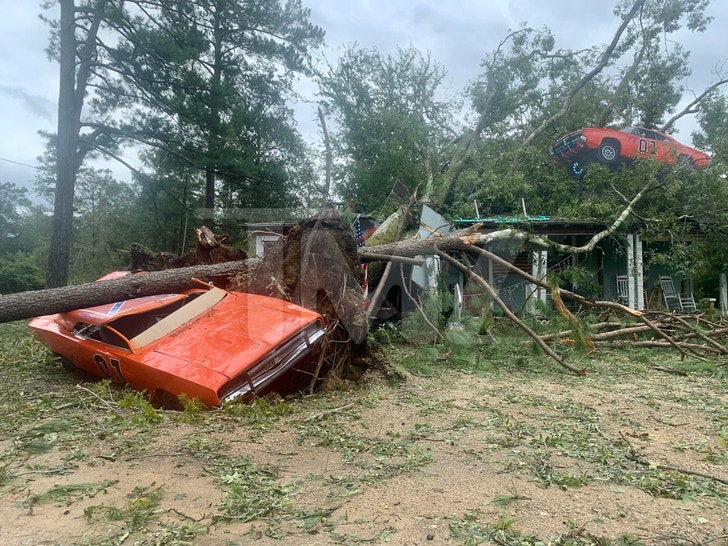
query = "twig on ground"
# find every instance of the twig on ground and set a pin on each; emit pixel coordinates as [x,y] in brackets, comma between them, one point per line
[321,414]
[636,457]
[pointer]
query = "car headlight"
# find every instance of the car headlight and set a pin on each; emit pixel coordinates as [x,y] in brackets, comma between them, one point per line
[238,393]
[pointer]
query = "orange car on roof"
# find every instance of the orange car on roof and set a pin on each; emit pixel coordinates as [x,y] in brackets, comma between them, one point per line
[210,344]
[613,147]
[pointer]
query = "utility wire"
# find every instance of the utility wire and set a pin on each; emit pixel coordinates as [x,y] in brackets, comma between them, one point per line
[19,163]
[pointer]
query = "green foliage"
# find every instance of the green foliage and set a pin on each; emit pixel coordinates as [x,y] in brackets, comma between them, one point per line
[220,108]
[19,273]
[390,116]
[166,203]
[21,230]
[713,117]
[64,495]
[143,412]
[142,509]
[13,200]
[580,276]
[260,413]
[252,493]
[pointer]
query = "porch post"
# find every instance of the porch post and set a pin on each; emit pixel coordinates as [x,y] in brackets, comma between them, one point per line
[539,262]
[639,276]
[631,301]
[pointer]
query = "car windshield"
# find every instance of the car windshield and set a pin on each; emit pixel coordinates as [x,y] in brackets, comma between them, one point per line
[135,330]
[191,309]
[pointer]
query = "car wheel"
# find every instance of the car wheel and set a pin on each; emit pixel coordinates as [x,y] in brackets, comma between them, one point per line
[608,152]
[576,169]
[68,365]
[168,401]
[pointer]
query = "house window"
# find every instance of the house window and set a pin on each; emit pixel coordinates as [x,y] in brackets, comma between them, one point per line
[264,242]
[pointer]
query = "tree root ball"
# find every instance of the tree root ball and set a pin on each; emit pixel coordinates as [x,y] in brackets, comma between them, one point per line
[316,266]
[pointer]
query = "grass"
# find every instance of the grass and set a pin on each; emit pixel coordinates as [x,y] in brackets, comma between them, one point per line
[293,469]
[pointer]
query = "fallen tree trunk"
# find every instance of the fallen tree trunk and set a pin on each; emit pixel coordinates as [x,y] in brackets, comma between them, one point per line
[628,330]
[30,304]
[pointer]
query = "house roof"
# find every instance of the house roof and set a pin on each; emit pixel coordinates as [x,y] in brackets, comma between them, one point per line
[539,224]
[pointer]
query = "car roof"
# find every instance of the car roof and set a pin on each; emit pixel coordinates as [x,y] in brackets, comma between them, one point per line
[102,314]
[640,128]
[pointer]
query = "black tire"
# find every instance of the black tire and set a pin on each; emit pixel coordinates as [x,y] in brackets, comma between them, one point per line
[608,152]
[576,169]
[166,400]
[68,365]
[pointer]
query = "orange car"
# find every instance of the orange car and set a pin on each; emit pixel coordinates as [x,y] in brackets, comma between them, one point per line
[210,344]
[612,147]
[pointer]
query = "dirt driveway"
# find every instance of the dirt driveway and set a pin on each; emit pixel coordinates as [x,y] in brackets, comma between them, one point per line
[626,455]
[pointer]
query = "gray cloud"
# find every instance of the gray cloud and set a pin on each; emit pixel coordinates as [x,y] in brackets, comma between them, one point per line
[37,105]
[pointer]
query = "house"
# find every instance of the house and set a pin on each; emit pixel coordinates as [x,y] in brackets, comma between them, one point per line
[614,270]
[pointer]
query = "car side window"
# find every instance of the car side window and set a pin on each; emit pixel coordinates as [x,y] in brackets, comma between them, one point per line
[90,331]
[112,338]
[99,333]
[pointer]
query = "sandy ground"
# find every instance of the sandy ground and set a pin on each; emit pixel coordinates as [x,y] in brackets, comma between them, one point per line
[417,461]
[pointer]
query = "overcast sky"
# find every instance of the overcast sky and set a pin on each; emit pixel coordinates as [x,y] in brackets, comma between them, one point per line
[457,34]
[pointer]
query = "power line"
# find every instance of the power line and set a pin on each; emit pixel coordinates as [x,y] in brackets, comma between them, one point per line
[19,163]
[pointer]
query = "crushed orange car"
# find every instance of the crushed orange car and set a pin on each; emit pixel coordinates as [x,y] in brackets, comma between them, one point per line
[216,345]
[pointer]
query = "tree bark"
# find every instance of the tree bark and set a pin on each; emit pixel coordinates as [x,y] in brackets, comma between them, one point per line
[73,81]
[25,305]
[66,146]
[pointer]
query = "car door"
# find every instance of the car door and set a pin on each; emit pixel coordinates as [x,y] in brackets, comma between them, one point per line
[667,148]
[102,351]
[646,143]
[110,366]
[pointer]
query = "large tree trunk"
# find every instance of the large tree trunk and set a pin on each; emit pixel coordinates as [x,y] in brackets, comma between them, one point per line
[58,300]
[66,146]
[73,82]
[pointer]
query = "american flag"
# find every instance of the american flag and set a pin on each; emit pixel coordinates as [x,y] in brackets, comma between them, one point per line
[360,243]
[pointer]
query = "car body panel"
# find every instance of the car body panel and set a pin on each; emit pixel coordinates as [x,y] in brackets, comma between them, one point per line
[611,146]
[204,343]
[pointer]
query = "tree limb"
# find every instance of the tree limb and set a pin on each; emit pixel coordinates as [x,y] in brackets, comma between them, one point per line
[518,322]
[691,108]
[603,61]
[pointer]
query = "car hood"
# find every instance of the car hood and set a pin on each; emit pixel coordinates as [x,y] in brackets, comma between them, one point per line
[235,334]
